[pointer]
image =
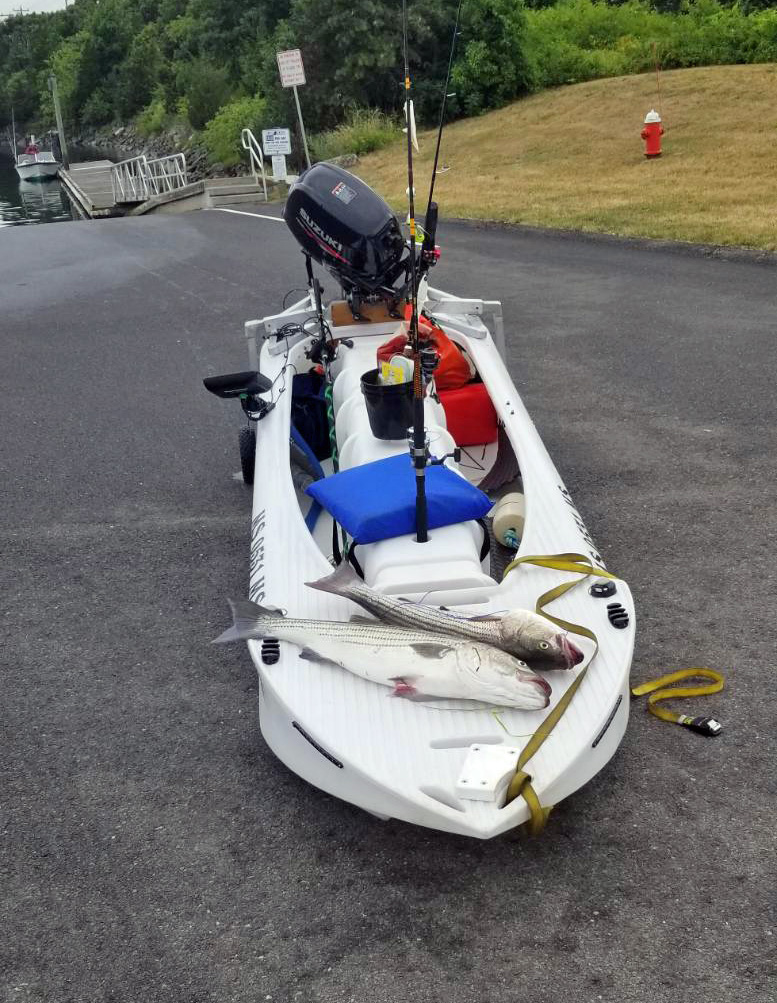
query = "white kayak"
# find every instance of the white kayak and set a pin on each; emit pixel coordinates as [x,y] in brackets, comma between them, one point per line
[447,769]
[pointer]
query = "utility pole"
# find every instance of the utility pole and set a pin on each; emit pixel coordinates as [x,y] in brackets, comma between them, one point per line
[60,126]
[15,12]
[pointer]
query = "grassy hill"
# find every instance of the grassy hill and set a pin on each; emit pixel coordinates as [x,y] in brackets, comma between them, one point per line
[572,157]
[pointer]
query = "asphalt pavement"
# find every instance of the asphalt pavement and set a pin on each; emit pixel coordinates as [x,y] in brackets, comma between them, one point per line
[153,849]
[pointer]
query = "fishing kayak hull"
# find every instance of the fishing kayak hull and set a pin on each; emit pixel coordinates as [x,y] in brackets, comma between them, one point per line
[350,737]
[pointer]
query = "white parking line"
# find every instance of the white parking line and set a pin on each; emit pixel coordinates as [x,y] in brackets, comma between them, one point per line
[242,212]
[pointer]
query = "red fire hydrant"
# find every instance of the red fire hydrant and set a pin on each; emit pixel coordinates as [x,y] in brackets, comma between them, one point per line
[652,134]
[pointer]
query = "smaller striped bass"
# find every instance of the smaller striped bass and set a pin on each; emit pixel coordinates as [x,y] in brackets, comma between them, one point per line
[418,665]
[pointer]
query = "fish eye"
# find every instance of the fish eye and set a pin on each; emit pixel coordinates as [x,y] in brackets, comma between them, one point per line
[544,645]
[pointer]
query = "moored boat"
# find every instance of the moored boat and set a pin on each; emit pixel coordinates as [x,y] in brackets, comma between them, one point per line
[35,164]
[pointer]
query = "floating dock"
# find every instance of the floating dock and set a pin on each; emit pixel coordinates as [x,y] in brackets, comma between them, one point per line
[89,185]
[91,188]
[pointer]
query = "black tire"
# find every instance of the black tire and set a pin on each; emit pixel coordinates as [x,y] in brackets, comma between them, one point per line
[247,453]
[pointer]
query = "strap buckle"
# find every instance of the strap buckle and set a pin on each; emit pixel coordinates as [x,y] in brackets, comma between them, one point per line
[703,725]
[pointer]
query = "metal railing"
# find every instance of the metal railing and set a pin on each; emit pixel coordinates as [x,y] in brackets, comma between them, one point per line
[250,143]
[166,174]
[129,181]
[139,178]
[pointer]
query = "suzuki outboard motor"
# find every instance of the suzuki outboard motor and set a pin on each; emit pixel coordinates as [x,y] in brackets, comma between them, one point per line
[341,223]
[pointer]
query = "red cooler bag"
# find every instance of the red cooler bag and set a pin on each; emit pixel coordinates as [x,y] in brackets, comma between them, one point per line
[453,369]
[470,415]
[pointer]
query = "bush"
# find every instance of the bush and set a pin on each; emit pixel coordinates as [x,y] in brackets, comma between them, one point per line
[152,119]
[97,110]
[364,130]
[222,132]
[206,88]
[582,39]
[492,68]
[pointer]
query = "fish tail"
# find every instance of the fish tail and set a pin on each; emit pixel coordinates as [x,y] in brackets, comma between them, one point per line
[248,621]
[340,582]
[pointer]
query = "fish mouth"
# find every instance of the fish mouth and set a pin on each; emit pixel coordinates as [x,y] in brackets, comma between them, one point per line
[572,654]
[544,686]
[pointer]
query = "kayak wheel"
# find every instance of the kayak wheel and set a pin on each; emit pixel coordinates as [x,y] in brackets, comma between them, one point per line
[247,442]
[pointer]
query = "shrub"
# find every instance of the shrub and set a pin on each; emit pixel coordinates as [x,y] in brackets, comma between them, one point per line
[206,88]
[152,119]
[97,110]
[222,132]
[364,130]
[492,68]
[578,40]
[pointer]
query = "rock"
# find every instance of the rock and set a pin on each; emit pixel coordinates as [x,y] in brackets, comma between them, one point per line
[346,160]
[123,142]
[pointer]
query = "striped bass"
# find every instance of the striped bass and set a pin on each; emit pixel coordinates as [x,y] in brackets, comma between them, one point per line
[519,632]
[418,665]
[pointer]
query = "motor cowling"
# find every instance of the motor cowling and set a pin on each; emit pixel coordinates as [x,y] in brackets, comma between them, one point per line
[344,225]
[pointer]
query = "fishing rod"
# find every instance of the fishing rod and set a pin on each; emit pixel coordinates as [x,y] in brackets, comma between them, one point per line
[418,449]
[658,79]
[430,220]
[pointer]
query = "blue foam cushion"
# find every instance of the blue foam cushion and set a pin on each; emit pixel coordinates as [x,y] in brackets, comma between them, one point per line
[377,500]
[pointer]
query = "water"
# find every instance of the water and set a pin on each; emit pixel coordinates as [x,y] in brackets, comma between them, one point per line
[23,202]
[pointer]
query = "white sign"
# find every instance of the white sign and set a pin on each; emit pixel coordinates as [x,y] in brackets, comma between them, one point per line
[291,68]
[279,167]
[276,141]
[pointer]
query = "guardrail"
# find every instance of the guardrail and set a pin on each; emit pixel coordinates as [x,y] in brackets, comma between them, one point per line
[250,143]
[139,179]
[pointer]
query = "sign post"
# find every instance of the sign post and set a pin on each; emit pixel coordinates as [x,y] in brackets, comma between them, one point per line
[279,171]
[293,75]
[276,143]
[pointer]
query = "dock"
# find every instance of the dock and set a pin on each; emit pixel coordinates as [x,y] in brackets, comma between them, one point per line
[89,185]
[101,189]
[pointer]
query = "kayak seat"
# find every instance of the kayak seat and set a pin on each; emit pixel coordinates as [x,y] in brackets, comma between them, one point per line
[376,501]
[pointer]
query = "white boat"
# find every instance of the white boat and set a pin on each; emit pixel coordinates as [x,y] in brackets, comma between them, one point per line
[448,769]
[37,166]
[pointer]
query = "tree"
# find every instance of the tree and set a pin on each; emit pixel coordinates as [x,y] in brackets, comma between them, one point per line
[65,63]
[139,73]
[492,68]
[206,88]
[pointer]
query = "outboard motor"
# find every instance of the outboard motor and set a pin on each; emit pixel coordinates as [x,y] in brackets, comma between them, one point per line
[345,226]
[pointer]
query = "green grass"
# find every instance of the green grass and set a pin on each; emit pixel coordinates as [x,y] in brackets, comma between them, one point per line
[572,158]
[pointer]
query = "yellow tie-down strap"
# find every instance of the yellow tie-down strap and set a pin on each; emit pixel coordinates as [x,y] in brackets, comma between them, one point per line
[662,689]
[520,785]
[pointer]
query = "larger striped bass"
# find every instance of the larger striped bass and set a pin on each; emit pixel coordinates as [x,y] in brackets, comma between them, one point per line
[519,632]
[418,665]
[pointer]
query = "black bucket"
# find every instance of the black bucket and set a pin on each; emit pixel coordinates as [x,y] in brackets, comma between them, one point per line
[389,406]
